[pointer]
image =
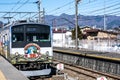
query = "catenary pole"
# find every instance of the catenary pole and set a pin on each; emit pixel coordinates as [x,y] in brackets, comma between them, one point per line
[76,22]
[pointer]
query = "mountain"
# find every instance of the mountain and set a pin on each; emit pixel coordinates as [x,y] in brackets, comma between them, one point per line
[69,20]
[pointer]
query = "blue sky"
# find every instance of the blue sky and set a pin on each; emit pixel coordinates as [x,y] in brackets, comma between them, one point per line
[57,7]
[49,5]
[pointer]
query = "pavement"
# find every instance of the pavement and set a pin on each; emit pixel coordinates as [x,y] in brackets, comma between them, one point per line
[9,72]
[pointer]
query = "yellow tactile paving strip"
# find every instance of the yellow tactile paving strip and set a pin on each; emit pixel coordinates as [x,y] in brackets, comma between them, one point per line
[2,77]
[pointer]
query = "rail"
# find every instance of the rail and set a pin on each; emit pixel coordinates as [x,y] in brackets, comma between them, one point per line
[88,72]
[105,65]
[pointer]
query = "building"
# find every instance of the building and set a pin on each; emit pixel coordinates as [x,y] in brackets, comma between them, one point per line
[61,37]
[95,34]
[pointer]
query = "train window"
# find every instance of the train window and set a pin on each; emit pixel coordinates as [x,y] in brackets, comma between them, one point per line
[14,39]
[17,37]
[31,29]
[18,29]
[44,37]
[37,37]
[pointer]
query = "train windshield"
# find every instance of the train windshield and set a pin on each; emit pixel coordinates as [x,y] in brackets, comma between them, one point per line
[35,37]
[30,33]
[17,32]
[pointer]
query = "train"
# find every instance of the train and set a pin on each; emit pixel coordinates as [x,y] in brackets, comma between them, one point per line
[28,47]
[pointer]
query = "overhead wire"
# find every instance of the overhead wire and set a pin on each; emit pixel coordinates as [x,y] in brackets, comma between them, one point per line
[14,3]
[20,7]
[15,10]
[101,9]
[13,7]
[60,7]
[114,13]
[108,8]
[54,10]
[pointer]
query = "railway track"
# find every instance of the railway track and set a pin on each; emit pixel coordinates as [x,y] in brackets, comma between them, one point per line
[92,61]
[55,77]
[80,73]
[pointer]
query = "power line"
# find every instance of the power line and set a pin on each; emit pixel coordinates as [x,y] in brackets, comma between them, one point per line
[16,5]
[14,11]
[115,12]
[118,13]
[105,8]
[20,6]
[108,8]
[60,7]
[17,12]
[13,3]
[71,7]
[13,7]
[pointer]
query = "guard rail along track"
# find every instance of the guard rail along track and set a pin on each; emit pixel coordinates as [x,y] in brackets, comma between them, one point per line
[103,64]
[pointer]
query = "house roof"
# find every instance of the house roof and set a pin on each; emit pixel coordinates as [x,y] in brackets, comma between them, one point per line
[92,30]
[59,31]
[97,30]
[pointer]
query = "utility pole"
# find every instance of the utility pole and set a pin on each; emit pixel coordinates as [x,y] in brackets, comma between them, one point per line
[39,18]
[54,22]
[76,22]
[43,16]
[105,15]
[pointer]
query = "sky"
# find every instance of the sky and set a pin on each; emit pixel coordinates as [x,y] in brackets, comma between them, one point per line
[57,7]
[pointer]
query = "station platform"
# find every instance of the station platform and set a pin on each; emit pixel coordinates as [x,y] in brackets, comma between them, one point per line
[98,54]
[9,72]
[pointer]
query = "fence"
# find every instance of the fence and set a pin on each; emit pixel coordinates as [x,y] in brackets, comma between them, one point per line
[97,45]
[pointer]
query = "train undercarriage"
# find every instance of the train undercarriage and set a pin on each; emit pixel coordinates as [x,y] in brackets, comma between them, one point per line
[36,68]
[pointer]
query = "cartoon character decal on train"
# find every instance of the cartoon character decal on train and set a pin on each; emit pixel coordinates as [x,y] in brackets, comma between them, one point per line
[32,51]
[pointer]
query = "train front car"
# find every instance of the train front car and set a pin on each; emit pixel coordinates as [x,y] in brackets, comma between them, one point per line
[31,49]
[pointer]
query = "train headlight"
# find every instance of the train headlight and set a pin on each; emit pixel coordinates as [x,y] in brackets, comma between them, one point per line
[16,53]
[47,53]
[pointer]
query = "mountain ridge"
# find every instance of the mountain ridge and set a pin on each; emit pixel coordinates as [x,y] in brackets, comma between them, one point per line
[83,20]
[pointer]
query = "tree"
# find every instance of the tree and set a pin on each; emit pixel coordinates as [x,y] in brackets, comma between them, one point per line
[79,33]
[117,28]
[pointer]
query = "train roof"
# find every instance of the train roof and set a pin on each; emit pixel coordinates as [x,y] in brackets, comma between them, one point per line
[21,23]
